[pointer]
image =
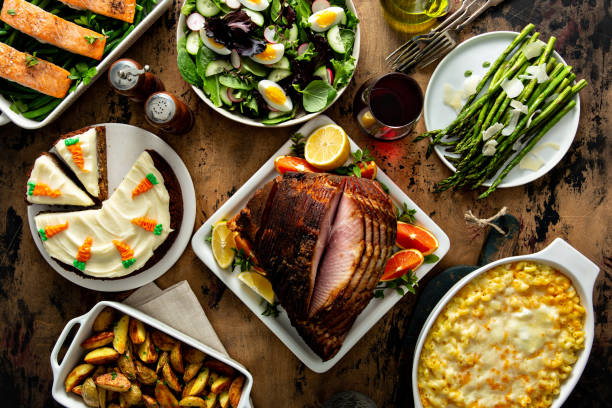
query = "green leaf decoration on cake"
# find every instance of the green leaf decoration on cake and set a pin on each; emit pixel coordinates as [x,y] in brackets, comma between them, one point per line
[71,141]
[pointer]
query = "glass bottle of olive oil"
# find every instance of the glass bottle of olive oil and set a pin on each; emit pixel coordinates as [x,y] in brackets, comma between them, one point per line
[413,16]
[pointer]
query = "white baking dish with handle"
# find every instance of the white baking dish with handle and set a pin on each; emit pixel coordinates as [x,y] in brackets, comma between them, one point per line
[75,353]
[560,255]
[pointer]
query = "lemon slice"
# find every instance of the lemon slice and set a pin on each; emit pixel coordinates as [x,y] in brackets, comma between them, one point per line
[259,284]
[327,147]
[223,244]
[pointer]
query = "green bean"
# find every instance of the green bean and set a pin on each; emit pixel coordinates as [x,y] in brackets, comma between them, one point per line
[42,110]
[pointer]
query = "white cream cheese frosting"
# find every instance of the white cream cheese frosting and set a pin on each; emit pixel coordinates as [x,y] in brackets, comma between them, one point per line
[88,174]
[48,184]
[118,222]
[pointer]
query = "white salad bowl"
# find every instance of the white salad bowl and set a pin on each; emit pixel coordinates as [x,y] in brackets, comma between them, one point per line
[571,263]
[302,116]
[75,353]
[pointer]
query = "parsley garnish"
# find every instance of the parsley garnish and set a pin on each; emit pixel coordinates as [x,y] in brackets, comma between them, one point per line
[82,73]
[10,12]
[384,187]
[271,309]
[241,260]
[408,282]
[297,146]
[354,169]
[31,60]
[406,214]
[114,375]
[91,39]
[209,238]
[431,258]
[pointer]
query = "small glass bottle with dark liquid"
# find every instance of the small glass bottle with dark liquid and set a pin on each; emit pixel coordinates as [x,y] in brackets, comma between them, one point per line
[164,111]
[129,78]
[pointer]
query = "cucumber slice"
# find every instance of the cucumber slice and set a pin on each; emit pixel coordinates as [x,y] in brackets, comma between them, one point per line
[253,67]
[293,33]
[255,16]
[217,67]
[279,74]
[193,42]
[223,94]
[283,63]
[335,40]
[207,8]
[321,72]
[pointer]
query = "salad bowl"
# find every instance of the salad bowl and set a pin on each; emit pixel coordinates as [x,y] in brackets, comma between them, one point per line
[301,115]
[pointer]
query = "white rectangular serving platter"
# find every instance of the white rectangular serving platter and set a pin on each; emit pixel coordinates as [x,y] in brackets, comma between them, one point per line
[5,104]
[281,326]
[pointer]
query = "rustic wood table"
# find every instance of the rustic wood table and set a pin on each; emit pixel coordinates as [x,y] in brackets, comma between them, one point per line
[572,201]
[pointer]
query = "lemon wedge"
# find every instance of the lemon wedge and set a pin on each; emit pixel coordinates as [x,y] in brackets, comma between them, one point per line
[327,148]
[223,244]
[259,284]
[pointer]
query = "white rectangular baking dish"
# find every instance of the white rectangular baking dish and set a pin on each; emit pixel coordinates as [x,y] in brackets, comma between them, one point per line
[281,326]
[74,355]
[19,120]
[560,255]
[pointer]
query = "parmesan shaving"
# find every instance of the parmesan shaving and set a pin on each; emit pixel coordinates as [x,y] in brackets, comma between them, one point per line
[533,49]
[470,84]
[551,98]
[531,117]
[452,97]
[492,131]
[538,72]
[513,121]
[544,146]
[531,162]
[489,148]
[517,146]
[519,106]
[513,87]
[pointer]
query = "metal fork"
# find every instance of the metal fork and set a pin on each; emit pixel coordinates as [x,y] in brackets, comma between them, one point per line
[412,46]
[443,42]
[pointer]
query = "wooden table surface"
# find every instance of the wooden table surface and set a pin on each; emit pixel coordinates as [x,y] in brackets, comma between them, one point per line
[572,201]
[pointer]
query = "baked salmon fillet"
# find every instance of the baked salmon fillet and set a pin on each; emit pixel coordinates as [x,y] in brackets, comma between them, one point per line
[119,9]
[48,28]
[32,72]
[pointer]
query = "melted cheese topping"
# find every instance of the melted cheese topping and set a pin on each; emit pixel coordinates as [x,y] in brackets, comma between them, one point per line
[46,171]
[113,222]
[507,339]
[89,176]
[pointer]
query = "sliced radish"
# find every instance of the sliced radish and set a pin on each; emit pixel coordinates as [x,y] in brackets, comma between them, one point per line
[330,76]
[318,5]
[273,109]
[270,34]
[234,4]
[232,97]
[302,49]
[195,21]
[235,59]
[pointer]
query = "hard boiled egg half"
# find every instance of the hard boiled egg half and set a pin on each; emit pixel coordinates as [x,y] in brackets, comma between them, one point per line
[324,19]
[257,5]
[271,55]
[213,45]
[274,95]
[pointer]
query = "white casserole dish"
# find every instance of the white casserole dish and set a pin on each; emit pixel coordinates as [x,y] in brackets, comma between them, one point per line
[560,255]
[75,353]
[19,120]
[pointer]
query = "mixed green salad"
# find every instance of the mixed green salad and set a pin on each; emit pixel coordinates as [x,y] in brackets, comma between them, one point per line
[268,59]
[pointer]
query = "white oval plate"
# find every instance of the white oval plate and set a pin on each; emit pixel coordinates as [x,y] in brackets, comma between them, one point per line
[124,144]
[470,55]
[252,122]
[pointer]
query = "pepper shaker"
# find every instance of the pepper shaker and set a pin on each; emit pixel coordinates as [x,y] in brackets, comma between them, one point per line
[129,78]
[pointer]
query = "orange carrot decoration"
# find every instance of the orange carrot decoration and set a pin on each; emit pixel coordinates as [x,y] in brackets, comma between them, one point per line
[148,224]
[51,230]
[41,189]
[145,185]
[83,254]
[74,146]
[127,254]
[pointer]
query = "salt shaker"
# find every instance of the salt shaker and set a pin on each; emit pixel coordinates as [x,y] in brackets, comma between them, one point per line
[164,111]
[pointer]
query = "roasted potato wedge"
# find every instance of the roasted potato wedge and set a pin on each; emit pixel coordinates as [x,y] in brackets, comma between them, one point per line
[102,393]
[144,374]
[219,367]
[212,378]
[149,402]
[197,385]
[164,396]
[126,364]
[171,379]
[235,391]
[137,331]
[78,390]
[224,399]
[192,355]
[102,355]
[211,400]
[164,359]
[98,340]
[133,396]
[176,358]
[192,401]
[146,351]
[114,381]
[191,370]
[90,393]
[121,334]
[162,340]
[221,384]
[104,321]
[99,371]
[77,376]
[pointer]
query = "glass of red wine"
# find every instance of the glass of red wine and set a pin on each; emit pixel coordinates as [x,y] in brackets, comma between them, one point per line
[389,106]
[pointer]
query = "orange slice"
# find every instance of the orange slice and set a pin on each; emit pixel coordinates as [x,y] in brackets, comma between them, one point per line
[401,262]
[411,236]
